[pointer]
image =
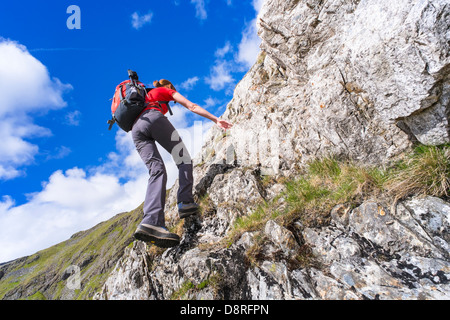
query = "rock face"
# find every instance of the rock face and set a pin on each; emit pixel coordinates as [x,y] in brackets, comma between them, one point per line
[364,253]
[380,61]
[362,80]
[359,79]
[384,256]
[130,279]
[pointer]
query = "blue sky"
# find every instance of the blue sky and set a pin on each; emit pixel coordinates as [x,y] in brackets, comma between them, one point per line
[61,170]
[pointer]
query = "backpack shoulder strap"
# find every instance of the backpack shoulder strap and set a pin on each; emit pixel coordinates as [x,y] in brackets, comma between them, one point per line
[167,104]
[161,102]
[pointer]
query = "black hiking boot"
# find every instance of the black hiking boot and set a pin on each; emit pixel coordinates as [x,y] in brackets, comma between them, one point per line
[187,209]
[159,236]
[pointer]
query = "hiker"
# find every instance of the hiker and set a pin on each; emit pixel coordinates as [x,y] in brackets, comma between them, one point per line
[151,127]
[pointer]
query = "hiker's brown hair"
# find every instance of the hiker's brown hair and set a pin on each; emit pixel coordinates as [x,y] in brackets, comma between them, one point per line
[163,83]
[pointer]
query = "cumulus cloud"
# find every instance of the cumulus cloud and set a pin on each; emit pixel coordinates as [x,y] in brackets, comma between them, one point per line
[18,66]
[138,21]
[221,73]
[220,76]
[257,4]
[200,11]
[211,102]
[221,52]
[250,42]
[43,93]
[189,83]
[249,45]
[72,118]
[70,201]
[73,200]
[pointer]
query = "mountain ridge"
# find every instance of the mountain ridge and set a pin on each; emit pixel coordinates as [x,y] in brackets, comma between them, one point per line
[47,273]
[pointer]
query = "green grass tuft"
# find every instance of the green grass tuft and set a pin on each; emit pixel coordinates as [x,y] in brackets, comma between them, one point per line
[424,172]
[328,182]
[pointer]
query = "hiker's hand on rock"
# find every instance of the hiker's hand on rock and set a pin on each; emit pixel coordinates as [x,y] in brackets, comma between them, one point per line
[223,124]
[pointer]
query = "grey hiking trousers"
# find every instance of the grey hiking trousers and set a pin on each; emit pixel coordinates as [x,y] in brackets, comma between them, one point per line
[151,127]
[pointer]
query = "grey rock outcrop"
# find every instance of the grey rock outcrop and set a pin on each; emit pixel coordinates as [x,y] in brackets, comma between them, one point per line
[130,278]
[390,60]
[384,256]
[364,253]
[357,79]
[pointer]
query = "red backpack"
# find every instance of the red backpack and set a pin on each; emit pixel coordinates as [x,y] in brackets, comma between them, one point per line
[129,102]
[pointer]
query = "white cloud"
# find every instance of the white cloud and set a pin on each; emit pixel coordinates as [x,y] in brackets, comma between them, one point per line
[221,73]
[200,11]
[189,83]
[250,42]
[221,52]
[125,163]
[211,102]
[72,118]
[73,200]
[138,21]
[20,71]
[249,46]
[217,104]
[257,5]
[58,153]
[220,76]
[70,201]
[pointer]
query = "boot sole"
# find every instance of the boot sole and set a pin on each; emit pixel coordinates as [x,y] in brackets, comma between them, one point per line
[156,239]
[186,214]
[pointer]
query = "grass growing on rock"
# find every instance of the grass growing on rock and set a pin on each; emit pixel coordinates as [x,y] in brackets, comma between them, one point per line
[424,172]
[188,289]
[310,197]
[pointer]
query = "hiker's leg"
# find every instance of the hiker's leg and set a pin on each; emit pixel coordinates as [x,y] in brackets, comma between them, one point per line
[166,135]
[156,188]
[155,198]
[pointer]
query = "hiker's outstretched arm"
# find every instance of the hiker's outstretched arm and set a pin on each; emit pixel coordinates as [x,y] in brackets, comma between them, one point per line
[200,111]
[193,107]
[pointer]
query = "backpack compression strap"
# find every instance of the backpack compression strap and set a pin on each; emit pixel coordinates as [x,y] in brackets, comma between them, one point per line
[111,123]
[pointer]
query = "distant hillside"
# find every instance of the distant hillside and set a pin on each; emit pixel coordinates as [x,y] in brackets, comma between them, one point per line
[88,256]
